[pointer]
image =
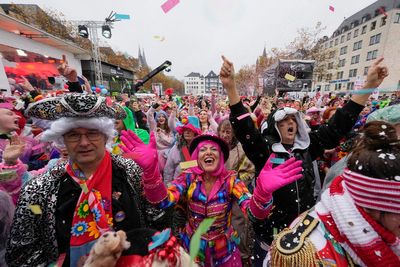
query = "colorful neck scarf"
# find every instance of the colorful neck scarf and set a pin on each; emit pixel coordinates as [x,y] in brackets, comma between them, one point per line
[93,215]
[364,239]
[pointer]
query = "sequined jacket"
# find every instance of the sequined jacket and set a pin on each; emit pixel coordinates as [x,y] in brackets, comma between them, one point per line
[32,240]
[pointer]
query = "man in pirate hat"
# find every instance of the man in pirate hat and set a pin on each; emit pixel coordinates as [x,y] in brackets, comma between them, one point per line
[61,213]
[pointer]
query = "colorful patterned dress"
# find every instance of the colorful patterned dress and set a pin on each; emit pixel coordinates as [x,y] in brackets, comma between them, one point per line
[220,242]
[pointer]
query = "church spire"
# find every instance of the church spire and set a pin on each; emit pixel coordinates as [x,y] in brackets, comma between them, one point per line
[264,51]
[144,59]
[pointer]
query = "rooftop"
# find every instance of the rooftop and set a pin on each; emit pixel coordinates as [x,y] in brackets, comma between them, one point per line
[374,10]
[15,26]
[194,74]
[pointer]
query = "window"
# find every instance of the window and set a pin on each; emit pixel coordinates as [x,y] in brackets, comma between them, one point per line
[339,75]
[375,39]
[338,86]
[348,36]
[350,86]
[366,71]
[357,45]
[332,54]
[354,24]
[373,25]
[372,55]
[330,65]
[355,59]
[336,41]
[363,19]
[327,87]
[342,62]
[355,33]
[397,18]
[329,76]
[383,21]
[352,73]
[342,39]
[331,43]
[364,29]
[343,50]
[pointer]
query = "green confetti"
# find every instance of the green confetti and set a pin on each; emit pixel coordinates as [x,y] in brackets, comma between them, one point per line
[84,188]
[195,240]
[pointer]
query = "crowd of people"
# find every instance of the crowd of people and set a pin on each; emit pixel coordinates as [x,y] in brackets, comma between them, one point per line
[289,182]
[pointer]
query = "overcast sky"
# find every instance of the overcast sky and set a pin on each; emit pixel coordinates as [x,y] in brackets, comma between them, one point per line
[197,32]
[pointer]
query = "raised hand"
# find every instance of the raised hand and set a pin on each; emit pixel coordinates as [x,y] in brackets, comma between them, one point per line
[376,74]
[271,179]
[13,150]
[144,155]
[68,72]
[26,85]
[227,74]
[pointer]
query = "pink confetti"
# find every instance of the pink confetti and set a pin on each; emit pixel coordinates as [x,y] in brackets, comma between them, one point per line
[241,117]
[167,6]
[331,8]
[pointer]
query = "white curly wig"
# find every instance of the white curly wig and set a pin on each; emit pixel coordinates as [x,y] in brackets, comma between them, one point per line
[63,125]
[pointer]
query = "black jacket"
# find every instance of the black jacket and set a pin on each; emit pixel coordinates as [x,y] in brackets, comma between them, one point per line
[297,197]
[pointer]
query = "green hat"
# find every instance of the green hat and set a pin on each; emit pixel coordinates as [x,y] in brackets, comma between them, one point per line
[390,114]
[130,124]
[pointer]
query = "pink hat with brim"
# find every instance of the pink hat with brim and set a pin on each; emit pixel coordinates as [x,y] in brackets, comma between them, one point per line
[6,105]
[313,110]
[181,129]
[191,123]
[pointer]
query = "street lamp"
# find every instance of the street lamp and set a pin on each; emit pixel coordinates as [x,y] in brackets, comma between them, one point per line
[83,31]
[106,31]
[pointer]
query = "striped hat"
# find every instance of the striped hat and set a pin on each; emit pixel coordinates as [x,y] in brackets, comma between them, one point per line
[374,193]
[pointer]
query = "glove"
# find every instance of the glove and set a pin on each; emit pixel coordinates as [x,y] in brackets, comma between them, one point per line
[144,155]
[271,179]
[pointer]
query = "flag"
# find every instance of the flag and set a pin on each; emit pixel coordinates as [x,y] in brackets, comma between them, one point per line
[331,8]
[122,16]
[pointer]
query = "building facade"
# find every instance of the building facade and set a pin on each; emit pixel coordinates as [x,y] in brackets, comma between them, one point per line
[212,81]
[195,84]
[33,53]
[370,33]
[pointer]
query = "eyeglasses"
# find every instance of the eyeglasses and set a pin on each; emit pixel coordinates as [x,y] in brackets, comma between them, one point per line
[76,137]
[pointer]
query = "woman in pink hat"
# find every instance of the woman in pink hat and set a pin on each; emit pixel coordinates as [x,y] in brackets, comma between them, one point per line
[210,191]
